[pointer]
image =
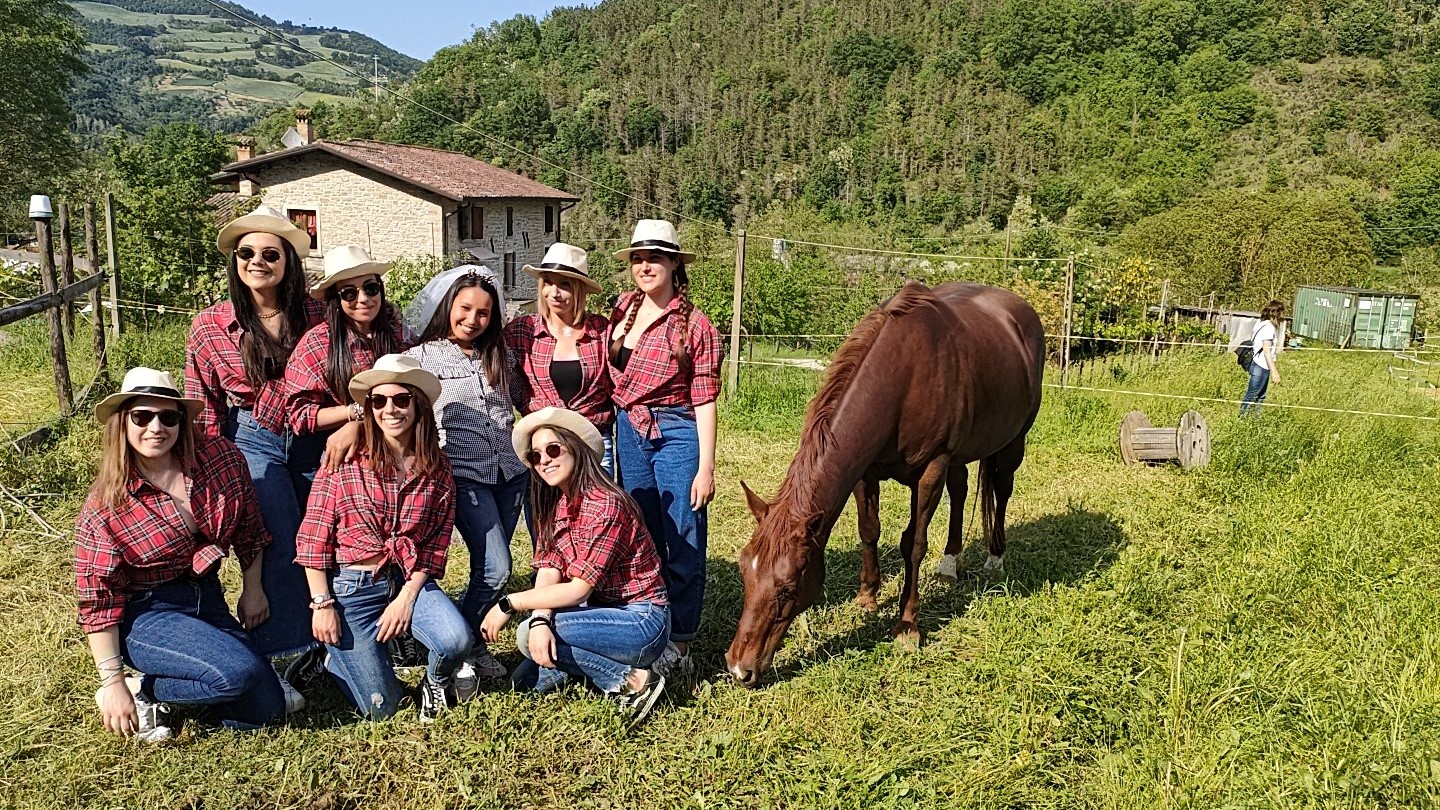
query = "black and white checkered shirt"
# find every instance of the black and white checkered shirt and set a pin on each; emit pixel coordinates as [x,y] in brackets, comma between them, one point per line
[475,419]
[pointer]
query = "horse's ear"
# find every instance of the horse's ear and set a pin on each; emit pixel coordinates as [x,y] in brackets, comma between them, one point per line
[758,507]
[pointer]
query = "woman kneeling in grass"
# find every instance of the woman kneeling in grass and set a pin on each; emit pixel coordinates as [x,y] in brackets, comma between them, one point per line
[168,505]
[374,539]
[599,609]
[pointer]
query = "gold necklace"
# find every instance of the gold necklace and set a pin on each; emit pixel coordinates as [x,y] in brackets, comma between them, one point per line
[264,317]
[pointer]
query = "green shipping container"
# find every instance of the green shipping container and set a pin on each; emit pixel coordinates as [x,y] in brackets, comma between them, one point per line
[1354,318]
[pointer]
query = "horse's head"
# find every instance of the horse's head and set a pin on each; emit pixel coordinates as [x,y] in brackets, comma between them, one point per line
[783,571]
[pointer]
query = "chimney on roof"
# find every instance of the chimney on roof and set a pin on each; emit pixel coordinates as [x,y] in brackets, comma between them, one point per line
[244,150]
[303,127]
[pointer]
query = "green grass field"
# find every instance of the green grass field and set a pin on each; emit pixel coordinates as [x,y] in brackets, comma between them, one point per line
[1260,633]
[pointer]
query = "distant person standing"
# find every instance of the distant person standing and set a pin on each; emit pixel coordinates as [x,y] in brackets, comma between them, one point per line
[560,351]
[665,363]
[1262,365]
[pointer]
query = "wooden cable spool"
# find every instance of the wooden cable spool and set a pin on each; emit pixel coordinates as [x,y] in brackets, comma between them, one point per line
[1142,442]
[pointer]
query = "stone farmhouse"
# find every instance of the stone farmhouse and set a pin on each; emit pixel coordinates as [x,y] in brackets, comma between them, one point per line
[396,200]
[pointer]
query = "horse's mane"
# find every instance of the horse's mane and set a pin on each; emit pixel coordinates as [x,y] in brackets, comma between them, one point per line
[816,436]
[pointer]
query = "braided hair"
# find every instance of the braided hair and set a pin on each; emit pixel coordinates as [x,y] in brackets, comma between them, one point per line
[680,352]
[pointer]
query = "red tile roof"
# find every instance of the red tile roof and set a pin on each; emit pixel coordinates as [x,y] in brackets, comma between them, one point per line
[449,174]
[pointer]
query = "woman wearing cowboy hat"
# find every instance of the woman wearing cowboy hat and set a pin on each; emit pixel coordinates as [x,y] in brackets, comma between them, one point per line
[235,365]
[665,365]
[170,503]
[459,318]
[598,609]
[560,350]
[375,540]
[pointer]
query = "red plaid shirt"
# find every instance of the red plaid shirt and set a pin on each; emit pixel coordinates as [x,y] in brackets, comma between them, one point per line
[605,544]
[356,513]
[215,372]
[145,543]
[306,390]
[652,377]
[532,347]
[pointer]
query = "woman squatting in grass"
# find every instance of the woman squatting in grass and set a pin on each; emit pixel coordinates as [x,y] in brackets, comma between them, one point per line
[559,352]
[168,505]
[665,365]
[374,541]
[460,317]
[598,609]
[235,365]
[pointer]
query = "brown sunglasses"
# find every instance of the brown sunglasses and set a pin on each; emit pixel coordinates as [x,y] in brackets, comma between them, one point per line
[552,450]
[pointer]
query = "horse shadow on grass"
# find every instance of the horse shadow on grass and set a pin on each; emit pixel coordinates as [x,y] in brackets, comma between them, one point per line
[1057,549]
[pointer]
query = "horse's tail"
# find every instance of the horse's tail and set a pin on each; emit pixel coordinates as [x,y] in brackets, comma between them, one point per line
[987,505]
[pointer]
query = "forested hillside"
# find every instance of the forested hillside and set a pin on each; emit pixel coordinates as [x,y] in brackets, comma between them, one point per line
[922,118]
[153,62]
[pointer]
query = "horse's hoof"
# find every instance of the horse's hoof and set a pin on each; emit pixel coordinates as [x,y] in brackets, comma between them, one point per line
[906,635]
[994,565]
[948,568]
[867,602]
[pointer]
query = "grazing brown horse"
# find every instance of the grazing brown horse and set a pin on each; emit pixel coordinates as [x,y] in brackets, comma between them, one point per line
[931,380]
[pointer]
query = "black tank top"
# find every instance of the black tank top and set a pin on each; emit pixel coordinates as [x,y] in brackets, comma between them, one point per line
[624,359]
[566,376]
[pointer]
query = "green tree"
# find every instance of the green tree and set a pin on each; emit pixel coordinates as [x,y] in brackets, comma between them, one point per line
[167,229]
[40,44]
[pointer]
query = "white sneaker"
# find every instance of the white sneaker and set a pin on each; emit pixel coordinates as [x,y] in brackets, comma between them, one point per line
[294,701]
[671,663]
[153,716]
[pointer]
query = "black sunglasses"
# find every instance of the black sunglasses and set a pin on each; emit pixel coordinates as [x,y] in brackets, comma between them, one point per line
[247,253]
[372,288]
[141,417]
[552,450]
[401,400]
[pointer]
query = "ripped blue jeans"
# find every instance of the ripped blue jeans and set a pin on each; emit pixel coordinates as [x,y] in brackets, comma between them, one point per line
[485,515]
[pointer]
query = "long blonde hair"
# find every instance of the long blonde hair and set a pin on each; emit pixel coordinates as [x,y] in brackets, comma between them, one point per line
[117,457]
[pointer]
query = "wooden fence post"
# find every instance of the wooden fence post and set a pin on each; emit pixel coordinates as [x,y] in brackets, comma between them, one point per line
[735,305]
[57,330]
[116,322]
[97,310]
[1069,315]
[67,267]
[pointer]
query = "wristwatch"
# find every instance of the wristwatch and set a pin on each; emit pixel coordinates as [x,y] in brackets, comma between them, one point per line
[504,605]
[323,600]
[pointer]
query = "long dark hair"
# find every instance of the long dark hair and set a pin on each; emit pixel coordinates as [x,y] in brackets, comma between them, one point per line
[544,499]
[340,365]
[490,344]
[263,356]
[680,352]
[425,438]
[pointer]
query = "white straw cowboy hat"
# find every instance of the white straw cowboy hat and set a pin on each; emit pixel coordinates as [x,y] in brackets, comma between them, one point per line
[146,382]
[264,219]
[401,369]
[568,261]
[343,263]
[655,234]
[555,417]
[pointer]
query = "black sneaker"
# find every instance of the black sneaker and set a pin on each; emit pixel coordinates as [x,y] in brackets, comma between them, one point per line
[406,652]
[307,670]
[639,703]
[433,699]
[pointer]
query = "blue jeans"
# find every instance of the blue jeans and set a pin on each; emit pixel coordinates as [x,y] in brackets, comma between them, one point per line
[192,652]
[601,644]
[282,467]
[362,665]
[486,515]
[658,475]
[1255,391]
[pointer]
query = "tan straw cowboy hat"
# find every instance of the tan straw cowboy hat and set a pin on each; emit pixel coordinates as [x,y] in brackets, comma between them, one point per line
[568,261]
[555,417]
[655,234]
[263,219]
[401,369]
[343,263]
[146,382]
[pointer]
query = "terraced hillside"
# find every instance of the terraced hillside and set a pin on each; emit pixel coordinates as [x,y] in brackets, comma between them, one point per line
[156,61]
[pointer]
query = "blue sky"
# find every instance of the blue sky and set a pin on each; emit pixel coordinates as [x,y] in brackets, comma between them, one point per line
[415,27]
